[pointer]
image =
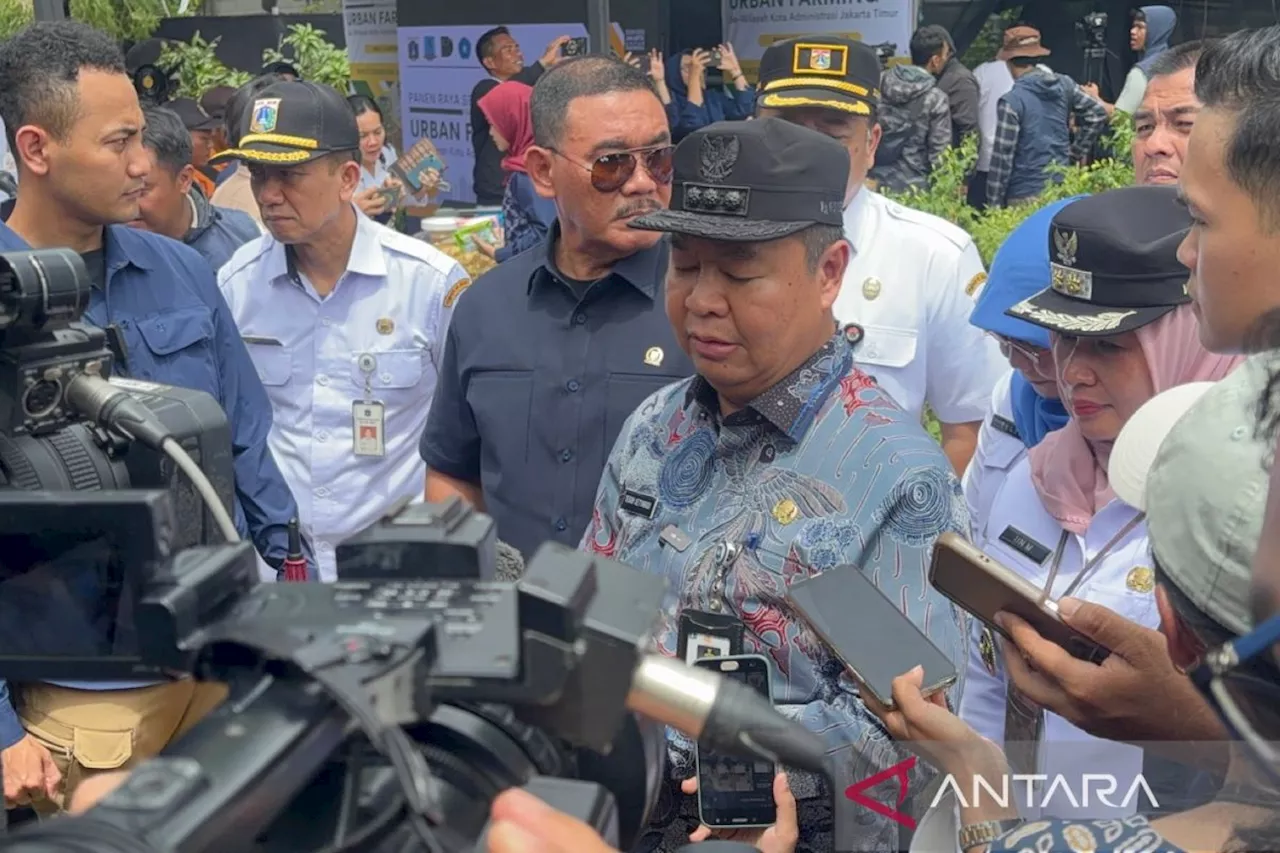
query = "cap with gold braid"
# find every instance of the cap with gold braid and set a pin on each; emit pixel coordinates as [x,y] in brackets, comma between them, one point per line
[820,71]
[293,122]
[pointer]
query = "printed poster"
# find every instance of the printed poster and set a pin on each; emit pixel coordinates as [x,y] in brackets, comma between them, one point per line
[752,25]
[370,27]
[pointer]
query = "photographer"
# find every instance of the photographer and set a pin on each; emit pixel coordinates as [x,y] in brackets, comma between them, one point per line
[1152,28]
[75,126]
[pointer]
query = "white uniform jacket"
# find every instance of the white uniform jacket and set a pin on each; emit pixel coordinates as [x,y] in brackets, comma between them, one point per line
[910,286]
[999,449]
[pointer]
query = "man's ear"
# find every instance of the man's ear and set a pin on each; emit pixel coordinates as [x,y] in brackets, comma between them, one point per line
[538,163]
[831,269]
[874,133]
[350,180]
[31,149]
[1184,647]
[185,177]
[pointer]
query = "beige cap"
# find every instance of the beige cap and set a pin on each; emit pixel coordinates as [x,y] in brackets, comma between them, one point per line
[1205,490]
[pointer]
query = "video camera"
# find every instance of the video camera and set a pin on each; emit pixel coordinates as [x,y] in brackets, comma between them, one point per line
[1091,31]
[885,51]
[379,713]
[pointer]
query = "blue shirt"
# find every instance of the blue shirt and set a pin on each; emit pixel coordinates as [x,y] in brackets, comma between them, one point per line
[178,330]
[799,478]
[537,380]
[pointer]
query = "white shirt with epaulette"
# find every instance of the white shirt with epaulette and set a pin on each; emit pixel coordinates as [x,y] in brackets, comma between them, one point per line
[379,336]
[911,287]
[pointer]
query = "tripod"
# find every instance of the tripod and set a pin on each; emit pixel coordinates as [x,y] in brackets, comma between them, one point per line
[1095,63]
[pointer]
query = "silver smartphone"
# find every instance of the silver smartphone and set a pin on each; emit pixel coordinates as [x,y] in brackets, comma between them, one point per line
[736,792]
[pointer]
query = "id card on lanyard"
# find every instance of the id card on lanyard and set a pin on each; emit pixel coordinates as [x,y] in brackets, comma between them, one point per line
[368,416]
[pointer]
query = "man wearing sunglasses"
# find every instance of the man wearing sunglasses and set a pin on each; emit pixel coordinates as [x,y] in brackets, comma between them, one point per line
[912,278]
[549,353]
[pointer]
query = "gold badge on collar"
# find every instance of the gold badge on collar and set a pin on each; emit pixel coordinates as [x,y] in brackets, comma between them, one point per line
[785,511]
[987,648]
[1141,579]
[385,325]
[653,356]
[871,288]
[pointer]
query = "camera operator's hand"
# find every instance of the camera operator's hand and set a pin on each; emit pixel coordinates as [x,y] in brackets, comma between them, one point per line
[782,837]
[521,823]
[28,770]
[1091,89]
[551,56]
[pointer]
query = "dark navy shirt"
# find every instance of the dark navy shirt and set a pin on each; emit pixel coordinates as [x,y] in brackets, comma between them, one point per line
[537,383]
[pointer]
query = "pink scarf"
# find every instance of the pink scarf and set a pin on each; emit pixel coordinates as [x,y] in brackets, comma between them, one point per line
[1066,471]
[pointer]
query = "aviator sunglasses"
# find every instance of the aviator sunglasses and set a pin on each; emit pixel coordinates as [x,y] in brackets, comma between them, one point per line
[610,172]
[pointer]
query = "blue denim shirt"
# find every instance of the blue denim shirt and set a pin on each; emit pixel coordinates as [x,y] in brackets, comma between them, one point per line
[178,330]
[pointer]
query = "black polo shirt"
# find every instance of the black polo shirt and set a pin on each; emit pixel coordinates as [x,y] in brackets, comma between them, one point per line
[536,384]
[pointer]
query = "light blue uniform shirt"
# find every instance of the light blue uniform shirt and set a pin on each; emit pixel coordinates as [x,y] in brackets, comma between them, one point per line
[379,335]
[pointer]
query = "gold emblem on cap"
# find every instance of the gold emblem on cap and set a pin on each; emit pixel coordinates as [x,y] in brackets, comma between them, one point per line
[1067,244]
[385,325]
[987,648]
[974,283]
[1141,579]
[871,288]
[1070,281]
[653,356]
[819,59]
[785,511]
[266,113]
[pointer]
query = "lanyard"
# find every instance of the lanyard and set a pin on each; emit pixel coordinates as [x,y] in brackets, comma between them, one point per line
[1091,565]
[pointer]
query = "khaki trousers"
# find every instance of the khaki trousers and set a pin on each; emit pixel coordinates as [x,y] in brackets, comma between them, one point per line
[97,731]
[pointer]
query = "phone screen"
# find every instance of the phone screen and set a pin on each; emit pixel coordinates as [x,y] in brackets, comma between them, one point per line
[733,791]
[869,632]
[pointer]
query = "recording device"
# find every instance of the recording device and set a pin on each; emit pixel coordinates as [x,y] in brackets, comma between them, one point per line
[64,426]
[574,47]
[153,85]
[1091,31]
[717,56]
[885,51]
[984,587]
[868,632]
[734,792]
[379,714]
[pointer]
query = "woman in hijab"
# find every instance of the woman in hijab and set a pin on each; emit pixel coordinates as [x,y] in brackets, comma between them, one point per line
[702,95]
[526,216]
[1118,339]
[1024,405]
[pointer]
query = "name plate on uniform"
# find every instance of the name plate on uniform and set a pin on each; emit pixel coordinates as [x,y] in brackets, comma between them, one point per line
[635,503]
[1025,545]
[1002,424]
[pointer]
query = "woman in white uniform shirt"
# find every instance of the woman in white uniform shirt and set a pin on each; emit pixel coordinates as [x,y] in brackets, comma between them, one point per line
[376,158]
[1025,405]
[1122,331]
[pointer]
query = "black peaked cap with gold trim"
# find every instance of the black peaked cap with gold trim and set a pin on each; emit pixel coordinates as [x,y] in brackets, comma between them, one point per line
[1113,264]
[292,122]
[820,71]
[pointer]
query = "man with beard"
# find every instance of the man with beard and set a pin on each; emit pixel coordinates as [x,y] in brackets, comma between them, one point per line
[550,352]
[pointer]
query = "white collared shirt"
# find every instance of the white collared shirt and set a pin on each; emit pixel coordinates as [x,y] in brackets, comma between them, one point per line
[393,304]
[910,286]
[997,452]
[1120,582]
[381,170]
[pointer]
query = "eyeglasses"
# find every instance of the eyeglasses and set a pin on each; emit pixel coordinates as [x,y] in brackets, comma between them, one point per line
[1245,702]
[1009,346]
[610,172]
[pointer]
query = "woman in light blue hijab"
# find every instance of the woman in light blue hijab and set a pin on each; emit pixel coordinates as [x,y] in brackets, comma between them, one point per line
[1024,405]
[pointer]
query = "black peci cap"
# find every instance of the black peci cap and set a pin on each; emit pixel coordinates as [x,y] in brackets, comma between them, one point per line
[753,181]
[192,114]
[1113,264]
[819,71]
[294,121]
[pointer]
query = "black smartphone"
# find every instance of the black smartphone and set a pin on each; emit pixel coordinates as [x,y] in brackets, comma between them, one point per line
[732,791]
[574,47]
[869,632]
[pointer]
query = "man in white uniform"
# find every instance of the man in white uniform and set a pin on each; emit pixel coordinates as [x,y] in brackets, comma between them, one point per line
[911,281]
[344,318]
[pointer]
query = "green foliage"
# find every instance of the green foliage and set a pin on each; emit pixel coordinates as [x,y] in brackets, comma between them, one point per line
[129,20]
[316,58]
[945,196]
[196,67]
[14,15]
[987,42]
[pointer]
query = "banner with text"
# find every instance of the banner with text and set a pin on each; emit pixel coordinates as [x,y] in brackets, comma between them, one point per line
[752,25]
[438,70]
[370,27]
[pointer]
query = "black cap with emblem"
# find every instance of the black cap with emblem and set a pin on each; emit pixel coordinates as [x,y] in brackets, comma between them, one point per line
[1113,264]
[292,122]
[820,71]
[752,181]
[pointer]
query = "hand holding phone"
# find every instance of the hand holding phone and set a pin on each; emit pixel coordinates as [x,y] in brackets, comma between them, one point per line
[781,837]
[734,792]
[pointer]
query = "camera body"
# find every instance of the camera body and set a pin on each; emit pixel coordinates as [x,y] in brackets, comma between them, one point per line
[885,51]
[1091,31]
[574,47]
